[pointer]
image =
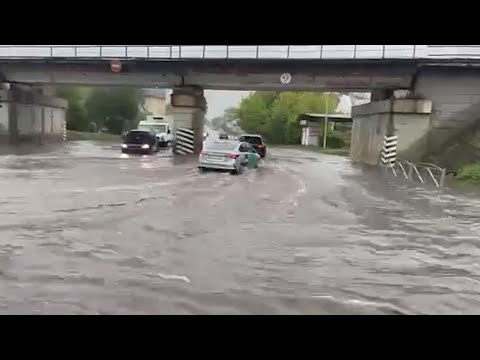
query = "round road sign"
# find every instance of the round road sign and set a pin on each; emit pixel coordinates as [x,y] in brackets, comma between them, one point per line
[286,78]
[116,66]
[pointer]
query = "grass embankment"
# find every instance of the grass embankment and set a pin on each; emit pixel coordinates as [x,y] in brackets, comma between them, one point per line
[469,174]
[88,136]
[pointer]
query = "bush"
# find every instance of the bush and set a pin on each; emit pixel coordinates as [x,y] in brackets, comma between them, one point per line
[469,173]
[333,142]
[274,115]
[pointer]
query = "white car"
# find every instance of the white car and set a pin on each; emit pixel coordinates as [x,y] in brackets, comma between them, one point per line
[227,155]
[161,129]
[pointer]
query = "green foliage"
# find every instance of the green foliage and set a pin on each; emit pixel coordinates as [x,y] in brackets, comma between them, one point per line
[334,142]
[91,109]
[226,121]
[255,112]
[77,118]
[470,174]
[141,116]
[217,122]
[230,114]
[114,108]
[274,114]
[90,136]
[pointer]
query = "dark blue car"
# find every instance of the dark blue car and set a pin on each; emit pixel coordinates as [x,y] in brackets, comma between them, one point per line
[140,141]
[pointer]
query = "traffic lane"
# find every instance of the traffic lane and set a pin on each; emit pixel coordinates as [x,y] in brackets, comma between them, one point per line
[215,232]
[80,175]
[388,241]
[91,232]
[305,233]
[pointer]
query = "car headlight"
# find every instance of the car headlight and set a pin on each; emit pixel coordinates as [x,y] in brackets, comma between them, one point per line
[124,146]
[145,146]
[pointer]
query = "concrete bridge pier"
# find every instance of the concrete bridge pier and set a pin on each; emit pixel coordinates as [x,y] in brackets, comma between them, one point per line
[188,108]
[28,116]
[409,119]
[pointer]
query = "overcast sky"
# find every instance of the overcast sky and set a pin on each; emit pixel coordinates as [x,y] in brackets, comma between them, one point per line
[219,100]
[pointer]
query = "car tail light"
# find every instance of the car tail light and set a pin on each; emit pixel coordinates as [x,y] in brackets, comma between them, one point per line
[261,146]
[232,156]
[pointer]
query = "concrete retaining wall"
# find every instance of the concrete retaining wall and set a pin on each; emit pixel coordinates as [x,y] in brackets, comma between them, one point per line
[425,127]
[407,118]
[455,95]
[26,116]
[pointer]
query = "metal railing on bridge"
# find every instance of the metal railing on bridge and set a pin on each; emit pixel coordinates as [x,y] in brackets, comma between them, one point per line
[239,52]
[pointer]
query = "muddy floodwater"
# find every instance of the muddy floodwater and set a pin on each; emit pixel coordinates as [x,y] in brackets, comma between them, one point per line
[85,230]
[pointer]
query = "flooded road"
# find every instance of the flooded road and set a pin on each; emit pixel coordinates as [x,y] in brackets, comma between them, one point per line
[85,230]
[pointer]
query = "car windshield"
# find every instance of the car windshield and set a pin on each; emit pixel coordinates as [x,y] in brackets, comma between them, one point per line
[251,139]
[161,128]
[135,137]
[221,146]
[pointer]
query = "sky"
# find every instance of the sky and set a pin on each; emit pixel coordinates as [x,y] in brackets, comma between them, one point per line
[219,100]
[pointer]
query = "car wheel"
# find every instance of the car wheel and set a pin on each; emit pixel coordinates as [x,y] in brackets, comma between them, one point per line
[236,171]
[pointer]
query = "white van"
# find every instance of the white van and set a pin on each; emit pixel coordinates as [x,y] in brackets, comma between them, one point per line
[161,126]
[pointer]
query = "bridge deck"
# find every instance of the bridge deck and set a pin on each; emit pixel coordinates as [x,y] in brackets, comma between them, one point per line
[308,74]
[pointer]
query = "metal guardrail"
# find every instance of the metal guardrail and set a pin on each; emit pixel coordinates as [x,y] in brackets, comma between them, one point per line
[238,52]
[424,173]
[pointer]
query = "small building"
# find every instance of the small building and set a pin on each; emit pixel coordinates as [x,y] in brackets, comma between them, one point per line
[28,116]
[155,101]
[313,126]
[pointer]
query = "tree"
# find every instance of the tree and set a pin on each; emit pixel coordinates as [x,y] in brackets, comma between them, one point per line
[115,108]
[77,119]
[255,111]
[230,115]
[274,115]
[217,122]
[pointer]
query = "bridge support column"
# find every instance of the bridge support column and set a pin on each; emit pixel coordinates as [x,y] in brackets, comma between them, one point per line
[381,94]
[409,119]
[188,108]
[45,90]
[27,116]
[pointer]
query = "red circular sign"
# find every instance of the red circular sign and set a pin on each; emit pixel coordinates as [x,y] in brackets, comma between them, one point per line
[116,66]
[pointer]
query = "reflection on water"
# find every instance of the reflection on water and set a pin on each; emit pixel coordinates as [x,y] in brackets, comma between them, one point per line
[86,230]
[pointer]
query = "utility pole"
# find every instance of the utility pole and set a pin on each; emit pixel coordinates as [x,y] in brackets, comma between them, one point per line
[325,125]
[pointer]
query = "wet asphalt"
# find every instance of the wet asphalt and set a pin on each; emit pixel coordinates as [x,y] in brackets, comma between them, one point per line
[86,230]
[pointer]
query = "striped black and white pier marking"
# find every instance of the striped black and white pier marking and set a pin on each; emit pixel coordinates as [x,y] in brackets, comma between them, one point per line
[389,151]
[64,130]
[184,143]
